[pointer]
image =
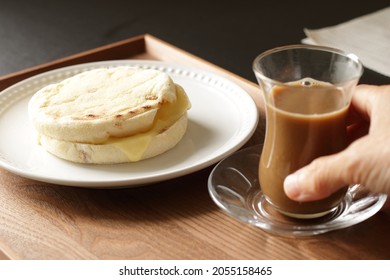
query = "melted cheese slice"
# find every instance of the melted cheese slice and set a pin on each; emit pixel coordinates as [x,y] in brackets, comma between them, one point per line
[135,146]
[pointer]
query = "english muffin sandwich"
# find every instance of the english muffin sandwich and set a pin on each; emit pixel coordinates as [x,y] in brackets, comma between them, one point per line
[110,115]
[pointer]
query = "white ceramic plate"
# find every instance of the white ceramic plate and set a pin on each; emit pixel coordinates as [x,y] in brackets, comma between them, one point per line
[222,118]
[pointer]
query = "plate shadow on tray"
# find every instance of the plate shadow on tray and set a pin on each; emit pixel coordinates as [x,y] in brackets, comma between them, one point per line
[161,202]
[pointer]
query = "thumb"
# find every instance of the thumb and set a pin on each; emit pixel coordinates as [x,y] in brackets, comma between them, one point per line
[319,179]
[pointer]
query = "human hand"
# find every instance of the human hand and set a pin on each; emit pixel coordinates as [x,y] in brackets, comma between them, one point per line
[366,160]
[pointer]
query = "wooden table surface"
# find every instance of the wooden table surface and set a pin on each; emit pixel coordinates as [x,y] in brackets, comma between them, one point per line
[170,220]
[175,219]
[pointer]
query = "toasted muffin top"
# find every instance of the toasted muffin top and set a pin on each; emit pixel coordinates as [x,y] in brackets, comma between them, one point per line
[95,105]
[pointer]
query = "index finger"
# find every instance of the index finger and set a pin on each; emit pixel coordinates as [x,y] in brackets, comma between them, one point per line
[362,100]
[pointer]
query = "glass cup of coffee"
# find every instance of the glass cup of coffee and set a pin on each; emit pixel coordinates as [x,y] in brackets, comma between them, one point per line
[307,91]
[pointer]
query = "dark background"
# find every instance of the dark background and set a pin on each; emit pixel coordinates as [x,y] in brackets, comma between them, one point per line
[227,33]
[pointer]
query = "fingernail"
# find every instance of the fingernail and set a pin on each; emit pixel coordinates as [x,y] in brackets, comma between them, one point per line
[291,186]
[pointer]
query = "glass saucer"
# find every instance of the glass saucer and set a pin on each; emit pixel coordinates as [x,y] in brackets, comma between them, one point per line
[234,186]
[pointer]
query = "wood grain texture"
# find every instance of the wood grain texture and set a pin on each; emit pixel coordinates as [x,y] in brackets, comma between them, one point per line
[170,220]
[175,219]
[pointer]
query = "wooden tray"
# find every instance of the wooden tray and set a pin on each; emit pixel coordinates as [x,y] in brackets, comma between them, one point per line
[150,48]
[175,219]
[145,47]
[140,47]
